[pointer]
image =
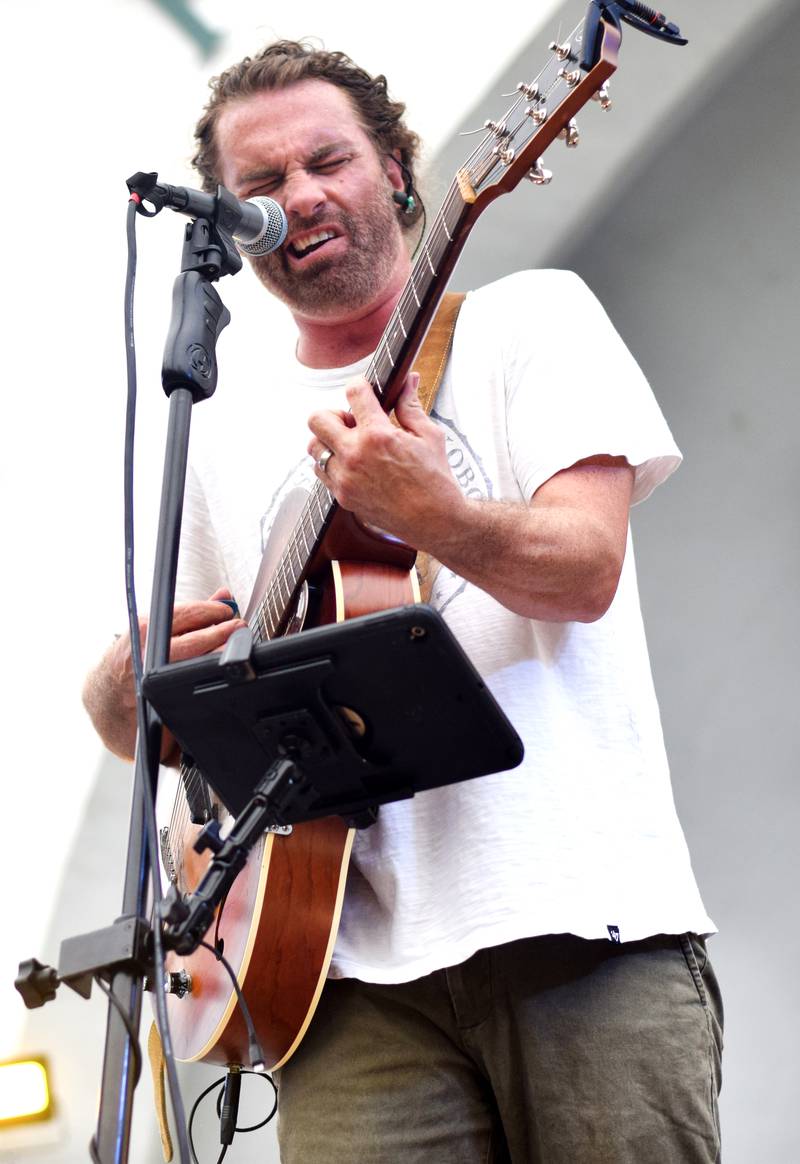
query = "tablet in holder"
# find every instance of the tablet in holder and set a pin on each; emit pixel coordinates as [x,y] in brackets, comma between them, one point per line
[370,710]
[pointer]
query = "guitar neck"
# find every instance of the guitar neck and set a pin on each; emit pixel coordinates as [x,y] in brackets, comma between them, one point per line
[419,299]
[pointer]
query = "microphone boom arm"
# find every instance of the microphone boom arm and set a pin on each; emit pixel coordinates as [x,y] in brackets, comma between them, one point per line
[259,224]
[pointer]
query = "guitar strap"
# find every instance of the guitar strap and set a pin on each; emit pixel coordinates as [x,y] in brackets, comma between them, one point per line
[155,1053]
[432,356]
[430,363]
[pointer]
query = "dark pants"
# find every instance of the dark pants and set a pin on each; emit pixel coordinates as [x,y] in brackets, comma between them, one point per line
[551,1050]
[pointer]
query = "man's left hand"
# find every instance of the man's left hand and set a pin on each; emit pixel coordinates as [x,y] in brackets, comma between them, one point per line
[393,476]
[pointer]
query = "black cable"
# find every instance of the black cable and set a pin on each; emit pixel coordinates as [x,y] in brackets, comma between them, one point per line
[141,715]
[220,1083]
[228,1105]
[130,428]
[256,1052]
[217,1083]
[219,943]
[129,1027]
[412,193]
[264,1122]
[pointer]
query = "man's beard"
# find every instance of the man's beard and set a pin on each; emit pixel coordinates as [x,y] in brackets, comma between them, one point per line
[350,281]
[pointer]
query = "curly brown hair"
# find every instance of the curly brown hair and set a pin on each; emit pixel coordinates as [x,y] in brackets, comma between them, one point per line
[285,63]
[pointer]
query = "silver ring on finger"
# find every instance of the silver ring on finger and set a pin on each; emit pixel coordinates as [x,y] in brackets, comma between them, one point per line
[324,457]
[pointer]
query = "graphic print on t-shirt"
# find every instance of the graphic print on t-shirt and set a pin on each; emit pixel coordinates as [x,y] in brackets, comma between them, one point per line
[466,467]
[300,476]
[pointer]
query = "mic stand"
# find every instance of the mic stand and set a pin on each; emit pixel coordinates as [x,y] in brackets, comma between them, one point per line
[123,953]
[189,375]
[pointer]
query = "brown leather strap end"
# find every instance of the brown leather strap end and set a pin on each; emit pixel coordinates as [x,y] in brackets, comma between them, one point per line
[155,1053]
[430,363]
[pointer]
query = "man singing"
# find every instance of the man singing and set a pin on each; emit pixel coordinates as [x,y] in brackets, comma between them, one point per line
[520,972]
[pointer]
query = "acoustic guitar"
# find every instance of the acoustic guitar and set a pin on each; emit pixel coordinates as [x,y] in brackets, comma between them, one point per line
[278,924]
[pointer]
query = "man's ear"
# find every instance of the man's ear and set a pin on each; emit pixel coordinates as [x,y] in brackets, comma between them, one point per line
[394,171]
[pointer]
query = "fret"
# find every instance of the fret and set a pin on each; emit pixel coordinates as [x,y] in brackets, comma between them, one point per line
[279,585]
[262,625]
[287,570]
[382,368]
[294,546]
[430,264]
[281,580]
[392,332]
[271,622]
[440,245]
[414,289]
[316,496]
[455,213]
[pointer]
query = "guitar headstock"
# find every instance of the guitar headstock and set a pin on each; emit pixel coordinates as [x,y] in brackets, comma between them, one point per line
[576,71]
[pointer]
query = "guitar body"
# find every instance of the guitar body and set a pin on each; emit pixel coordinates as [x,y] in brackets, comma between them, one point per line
[279,921]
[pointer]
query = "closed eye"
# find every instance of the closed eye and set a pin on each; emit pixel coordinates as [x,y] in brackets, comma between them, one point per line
[329,165]
[270,184]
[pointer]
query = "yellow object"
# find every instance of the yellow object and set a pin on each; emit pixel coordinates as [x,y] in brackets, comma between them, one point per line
[155,1053]
[24,1091]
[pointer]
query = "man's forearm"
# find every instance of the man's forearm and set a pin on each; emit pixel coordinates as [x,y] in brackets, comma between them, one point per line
[555,563]
[109,694]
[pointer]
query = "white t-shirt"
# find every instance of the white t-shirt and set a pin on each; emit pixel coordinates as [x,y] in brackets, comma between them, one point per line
[583,837]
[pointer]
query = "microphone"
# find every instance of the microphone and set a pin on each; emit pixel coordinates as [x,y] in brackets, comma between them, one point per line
[258,225]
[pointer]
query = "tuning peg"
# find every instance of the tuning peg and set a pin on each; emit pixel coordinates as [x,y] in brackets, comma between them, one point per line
[571,76]
[539,175]
[537,114]
[498,128]
[570,133]
[505,154]
[530,91]
[562,51]
[602,96]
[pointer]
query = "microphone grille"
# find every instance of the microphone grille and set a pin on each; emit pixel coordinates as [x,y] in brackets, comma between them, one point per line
[274,232]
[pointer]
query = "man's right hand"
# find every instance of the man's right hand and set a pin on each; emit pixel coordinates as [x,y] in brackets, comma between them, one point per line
[198,628]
